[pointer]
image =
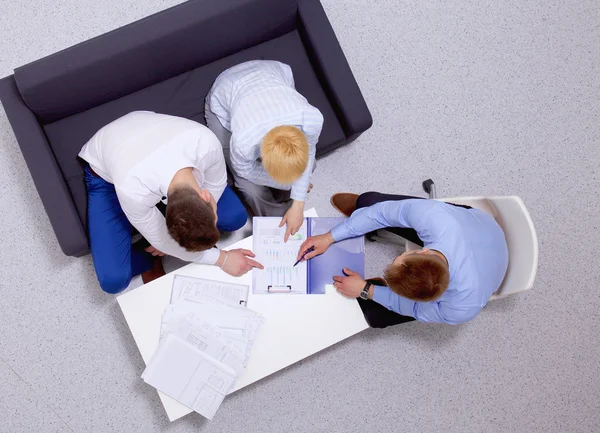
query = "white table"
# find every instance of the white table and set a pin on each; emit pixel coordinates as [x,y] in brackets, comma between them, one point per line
[296,326]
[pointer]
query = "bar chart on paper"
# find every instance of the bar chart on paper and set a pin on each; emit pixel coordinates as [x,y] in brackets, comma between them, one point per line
[282,255]
[309,277]
[284,278]
[278,257]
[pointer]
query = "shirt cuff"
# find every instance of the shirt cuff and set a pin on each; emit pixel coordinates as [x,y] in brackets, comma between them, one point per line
[208,257]
[383,295]
[339,232]
[298,196]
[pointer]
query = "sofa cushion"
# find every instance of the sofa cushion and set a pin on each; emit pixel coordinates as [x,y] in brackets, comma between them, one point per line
[148,51]
[184,96]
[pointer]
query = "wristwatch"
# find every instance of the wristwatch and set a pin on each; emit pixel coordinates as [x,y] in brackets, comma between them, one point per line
[365,292]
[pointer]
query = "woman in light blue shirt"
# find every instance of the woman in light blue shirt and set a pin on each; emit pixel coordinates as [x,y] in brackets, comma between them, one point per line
[269,134]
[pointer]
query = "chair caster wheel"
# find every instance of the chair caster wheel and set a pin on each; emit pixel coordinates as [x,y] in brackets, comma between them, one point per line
[427,184]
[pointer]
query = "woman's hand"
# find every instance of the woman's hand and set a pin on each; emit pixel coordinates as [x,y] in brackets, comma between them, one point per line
[293,219]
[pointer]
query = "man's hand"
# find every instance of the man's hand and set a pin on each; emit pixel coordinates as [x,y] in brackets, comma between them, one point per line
[320,244]
[154,251]
[293,219]
[349,286]
[238,262]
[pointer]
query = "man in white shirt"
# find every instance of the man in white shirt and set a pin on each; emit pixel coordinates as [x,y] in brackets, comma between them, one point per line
[136,162]
[269,133]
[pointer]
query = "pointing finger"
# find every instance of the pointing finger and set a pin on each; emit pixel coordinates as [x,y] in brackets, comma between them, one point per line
[255,264]
[287,233]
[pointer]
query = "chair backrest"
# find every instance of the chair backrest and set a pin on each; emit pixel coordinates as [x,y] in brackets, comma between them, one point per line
[512,215]
[147,52]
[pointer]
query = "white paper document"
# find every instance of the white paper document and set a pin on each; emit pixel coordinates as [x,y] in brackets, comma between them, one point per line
[208,290]
[238,320]
[206,338]
[278,257]
[209,341]
[235,326]
[190,376]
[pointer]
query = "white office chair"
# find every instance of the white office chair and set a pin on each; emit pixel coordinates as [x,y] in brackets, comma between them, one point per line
[512,215]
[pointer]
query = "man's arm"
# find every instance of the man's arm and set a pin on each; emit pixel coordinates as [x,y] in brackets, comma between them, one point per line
[218,101]
[213,163]
[434,312]
[402,213]
[152,225]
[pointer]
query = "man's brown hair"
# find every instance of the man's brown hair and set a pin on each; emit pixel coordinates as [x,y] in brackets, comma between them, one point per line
[420,277]
[191,220]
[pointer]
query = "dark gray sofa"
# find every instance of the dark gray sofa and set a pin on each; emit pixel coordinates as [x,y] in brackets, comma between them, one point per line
[167,63]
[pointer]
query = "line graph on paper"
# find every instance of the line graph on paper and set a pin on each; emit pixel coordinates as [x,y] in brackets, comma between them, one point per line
[278,258]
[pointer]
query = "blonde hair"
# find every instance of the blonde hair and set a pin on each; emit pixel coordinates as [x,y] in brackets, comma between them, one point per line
[284,153]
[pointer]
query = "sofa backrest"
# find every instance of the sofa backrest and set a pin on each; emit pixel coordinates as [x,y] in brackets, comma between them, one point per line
[148,51]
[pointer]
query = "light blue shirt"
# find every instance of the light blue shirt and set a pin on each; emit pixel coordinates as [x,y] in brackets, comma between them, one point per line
[249,100]
[470,239]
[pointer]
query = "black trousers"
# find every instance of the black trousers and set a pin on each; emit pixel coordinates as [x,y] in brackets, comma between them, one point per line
[377,315]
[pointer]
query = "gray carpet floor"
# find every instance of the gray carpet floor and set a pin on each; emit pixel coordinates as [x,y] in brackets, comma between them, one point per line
[487,98]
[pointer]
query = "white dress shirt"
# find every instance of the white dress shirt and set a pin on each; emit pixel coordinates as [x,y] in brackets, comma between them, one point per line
[140,153]
[252,98]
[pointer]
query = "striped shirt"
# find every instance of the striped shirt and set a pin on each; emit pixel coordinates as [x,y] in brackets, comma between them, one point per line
[249,100]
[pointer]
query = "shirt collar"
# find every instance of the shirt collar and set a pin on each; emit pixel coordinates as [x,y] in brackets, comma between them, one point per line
[447,253]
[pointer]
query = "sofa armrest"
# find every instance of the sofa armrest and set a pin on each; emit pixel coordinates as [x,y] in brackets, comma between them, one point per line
[331,65]
[46,174]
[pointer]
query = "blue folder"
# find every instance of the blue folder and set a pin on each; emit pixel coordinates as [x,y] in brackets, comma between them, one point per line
[349,253]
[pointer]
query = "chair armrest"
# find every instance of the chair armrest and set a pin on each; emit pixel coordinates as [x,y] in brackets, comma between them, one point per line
[333,70]
[46,174]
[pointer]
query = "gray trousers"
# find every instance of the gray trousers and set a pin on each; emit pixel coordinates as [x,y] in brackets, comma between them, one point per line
[263,200]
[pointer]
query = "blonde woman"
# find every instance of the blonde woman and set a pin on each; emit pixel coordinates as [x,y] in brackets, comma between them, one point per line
[269,133]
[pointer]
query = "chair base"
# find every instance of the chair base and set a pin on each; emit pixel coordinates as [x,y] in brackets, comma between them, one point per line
[386,237]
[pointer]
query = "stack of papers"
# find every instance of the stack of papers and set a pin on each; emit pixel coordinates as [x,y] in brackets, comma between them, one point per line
[207,335]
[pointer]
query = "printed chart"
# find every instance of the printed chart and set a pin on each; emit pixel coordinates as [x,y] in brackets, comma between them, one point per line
[278,257]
